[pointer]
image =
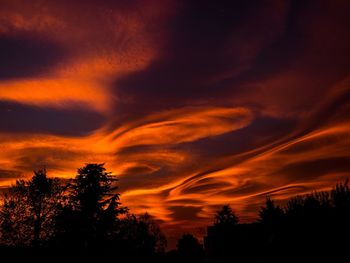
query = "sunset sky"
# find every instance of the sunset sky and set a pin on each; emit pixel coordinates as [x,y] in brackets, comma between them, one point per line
[192,104]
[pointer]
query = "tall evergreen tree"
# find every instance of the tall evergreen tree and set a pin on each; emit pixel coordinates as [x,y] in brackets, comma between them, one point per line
[90,216]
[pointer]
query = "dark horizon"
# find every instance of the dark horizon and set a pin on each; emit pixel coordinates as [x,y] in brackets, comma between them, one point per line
[191,104]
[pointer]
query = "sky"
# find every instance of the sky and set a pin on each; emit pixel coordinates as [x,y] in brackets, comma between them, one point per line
[192,104]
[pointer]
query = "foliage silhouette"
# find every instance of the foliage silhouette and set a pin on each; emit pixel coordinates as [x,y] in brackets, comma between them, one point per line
[29,209]
[44,216]
[225,217]
[270,214]
[141,237]
[190,249]
[89,217]
[223,235]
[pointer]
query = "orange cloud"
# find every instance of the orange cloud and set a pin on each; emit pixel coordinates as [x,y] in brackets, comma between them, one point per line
[183,125]
[201,106]
[97,54]
[61,93]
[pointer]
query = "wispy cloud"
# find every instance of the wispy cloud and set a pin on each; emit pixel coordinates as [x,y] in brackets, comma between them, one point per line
[193,105]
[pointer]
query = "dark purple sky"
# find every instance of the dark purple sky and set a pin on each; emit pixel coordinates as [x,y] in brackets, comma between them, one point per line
[193,104]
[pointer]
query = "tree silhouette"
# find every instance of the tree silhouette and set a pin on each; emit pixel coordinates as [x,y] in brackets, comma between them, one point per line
[92,190]
[157,241]
[270,214]
[223,237]
[226,217]
[189,249]
[40,217]
[89,218]
[141,236]
[340,195]
[29,210]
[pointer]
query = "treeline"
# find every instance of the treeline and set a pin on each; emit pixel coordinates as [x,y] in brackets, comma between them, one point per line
[310,228]
[47,219]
